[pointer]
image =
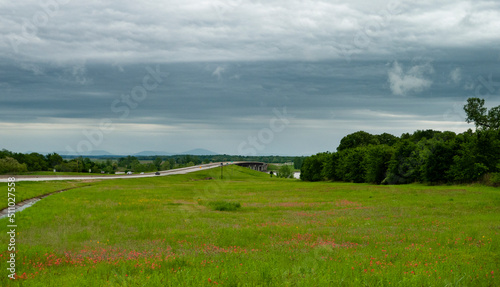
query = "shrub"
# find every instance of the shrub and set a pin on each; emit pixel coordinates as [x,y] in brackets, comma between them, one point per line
[495,179]
[285,171]
[312,167]
[272,167]
[221,205]
[10,165]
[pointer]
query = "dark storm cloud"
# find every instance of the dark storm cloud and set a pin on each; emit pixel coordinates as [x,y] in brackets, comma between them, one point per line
[337,67]
[131,31]
[192,91]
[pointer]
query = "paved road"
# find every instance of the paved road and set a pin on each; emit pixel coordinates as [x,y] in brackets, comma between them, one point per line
[183,170]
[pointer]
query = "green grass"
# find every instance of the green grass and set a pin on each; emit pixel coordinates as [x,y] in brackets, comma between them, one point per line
[153,232]
[221,205]
[27,190]
[51,173]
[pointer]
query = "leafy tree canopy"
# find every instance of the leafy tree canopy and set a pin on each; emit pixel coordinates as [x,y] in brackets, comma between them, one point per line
[480,116]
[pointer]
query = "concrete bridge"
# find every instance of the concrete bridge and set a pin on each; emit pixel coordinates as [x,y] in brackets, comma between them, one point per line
[255,165]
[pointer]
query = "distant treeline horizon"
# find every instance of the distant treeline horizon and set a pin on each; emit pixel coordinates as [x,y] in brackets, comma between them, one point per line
[12,162]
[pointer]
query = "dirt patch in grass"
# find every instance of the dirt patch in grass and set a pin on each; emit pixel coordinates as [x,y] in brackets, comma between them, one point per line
[200,179]
[183,202]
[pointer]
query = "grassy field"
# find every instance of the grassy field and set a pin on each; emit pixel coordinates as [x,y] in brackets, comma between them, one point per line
[28,190]
[51,173]
[169,231]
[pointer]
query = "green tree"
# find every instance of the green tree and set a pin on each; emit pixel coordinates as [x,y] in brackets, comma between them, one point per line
[420,135]
[312,167]
[34,161]
[139,167]
[376,163]
[480,116]
[37,162]
[285,171]
[488,148]
[128,161]
[108,163]
[438,160]
[5,153]
[157,162]
[10,165]
[54,159]
[109,169]
[467,163]
[297,162]
[165,165]
[329,166]
[387,139]
[172,162]
[404,164]
[349,167]
[357,139]
[151,167]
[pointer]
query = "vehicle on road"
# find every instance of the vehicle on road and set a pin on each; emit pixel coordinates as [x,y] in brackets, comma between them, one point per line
[157,173]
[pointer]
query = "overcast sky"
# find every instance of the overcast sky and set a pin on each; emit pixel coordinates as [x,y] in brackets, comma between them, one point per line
[238,77]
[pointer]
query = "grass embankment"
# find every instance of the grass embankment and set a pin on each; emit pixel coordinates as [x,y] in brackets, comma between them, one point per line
[27,190]
[59,173]
[164,231]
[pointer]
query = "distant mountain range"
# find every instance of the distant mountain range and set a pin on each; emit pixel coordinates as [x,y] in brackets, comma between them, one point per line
[151,153]
[92,153]
[198,151]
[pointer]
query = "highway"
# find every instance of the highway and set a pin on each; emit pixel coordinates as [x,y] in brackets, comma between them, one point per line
[183,170]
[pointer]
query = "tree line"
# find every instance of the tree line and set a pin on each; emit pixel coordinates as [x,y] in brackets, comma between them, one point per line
[424,156]
[12,162]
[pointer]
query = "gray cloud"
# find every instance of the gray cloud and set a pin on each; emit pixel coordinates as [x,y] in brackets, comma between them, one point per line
[242,30]
[414,80]
[456,75]
[218,72]
[231,62]
[37,70]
